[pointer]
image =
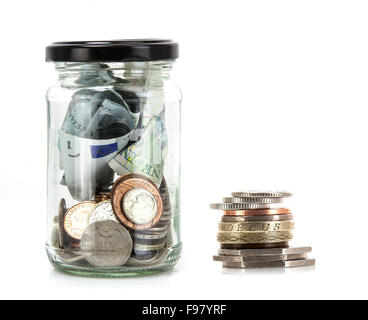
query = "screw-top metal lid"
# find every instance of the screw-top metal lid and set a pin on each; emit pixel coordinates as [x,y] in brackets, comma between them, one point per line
[112,50]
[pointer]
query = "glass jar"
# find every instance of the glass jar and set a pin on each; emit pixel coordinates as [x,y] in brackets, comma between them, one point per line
[113,158]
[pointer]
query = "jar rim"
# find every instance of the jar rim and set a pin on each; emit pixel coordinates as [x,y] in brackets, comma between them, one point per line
[128,50]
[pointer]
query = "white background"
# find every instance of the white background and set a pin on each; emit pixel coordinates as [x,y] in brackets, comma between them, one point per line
[275,96]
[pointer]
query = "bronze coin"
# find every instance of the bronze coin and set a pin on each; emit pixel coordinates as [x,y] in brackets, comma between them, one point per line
[76,218]
[136,202]
[62,210]
[102,196]
[271,217]
[257,212]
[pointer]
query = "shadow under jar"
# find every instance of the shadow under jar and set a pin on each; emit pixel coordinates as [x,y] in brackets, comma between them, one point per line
[113,158]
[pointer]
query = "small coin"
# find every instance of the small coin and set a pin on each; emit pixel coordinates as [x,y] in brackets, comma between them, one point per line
[262,194]
[138,260]
[274,217]
[136,201]
[139,205]
[149,242]
[102,196]
[254,237]
[157,229]
[55,237]
[259,252]
[61,213]
[253,246]
[167,212]
[262,258]
[143,255]
[256,226]
[165,195]
[69,256]
[165,218]
[106,244]
[76,219]
[161,235]
[260,212]
[251,200]
[146,247]
[71,243]
[239,206]
[102,212]
[275,264]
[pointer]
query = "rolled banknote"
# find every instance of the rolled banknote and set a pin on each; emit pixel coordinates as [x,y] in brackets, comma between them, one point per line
[98,115]
[99,74]
[93,74]
[97,125]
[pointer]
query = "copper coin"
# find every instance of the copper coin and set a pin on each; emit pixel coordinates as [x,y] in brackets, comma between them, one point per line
[257,212]
[273,217]
[136,202]
[62,210]
[76,219]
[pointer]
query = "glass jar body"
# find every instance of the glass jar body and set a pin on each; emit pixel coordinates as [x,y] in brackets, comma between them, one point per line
[114,127]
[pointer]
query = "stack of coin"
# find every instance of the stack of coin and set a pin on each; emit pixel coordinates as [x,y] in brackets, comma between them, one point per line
[150,242]
[255,231]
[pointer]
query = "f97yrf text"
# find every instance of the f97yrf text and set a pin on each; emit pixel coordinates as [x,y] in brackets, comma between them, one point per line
[190,309]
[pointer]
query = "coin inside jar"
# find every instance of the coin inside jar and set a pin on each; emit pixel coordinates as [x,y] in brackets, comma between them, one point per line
[77,219]
[106,244]
[136,202]
[62,210]
[102,212]
[139,205]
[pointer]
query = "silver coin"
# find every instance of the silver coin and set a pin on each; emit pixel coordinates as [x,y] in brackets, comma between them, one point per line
[139,205]
[161,235]
[274,264]
[251,200]
[134,261]
[149,242]
[264,252]
[167,212]
[262,194]
[270,217]
[158,228]
[69,256]
[239,206]
[106,244]
[146,247]
[55,237]
[165,218]
[261,258]
[102,212]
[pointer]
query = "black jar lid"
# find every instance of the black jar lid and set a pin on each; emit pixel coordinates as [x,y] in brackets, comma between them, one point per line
[113,50]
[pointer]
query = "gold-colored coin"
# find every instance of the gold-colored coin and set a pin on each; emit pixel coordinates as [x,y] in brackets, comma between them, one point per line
[254,237]
[103,196]
[256,226]
[76,219]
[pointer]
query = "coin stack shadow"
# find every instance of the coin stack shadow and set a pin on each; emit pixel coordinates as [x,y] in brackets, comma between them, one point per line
[149,243]
[255,233]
